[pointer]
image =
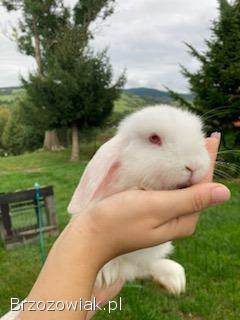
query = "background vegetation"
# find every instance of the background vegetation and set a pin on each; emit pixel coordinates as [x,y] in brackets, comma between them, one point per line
[216,84]
[18,135]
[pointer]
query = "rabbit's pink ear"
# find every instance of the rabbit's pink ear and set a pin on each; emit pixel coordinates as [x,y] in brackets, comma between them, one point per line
[97,179]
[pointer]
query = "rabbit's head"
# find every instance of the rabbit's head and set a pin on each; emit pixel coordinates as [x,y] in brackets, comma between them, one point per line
[165,147]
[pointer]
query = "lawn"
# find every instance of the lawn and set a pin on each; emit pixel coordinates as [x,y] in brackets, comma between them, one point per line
[211,257]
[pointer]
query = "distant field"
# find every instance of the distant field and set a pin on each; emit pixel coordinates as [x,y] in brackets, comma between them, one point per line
[126,103]
[129,100]
[129,103]
[8,98]
[211,257]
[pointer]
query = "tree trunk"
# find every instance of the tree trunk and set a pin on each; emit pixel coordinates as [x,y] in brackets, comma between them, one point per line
[75,143]
[38,54]
[37,48]
[51,141]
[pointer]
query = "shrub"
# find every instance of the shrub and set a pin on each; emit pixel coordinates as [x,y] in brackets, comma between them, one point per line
[18,137]
[4,115]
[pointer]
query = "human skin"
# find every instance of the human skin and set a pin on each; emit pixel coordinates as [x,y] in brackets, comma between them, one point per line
[119,224]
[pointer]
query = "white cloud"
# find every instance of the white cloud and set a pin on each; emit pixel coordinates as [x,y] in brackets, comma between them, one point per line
[12,63]
[146,37]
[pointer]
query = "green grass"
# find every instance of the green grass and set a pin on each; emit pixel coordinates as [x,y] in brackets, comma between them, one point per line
[128,103]
[211,257]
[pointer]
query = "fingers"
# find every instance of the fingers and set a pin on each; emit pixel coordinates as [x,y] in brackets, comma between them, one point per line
[104,295]
[167,205]
[177,228]
[212,145]
[186,226]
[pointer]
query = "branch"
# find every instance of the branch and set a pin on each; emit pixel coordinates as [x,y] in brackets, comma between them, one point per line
[177,97]
[195,53]
[11,5]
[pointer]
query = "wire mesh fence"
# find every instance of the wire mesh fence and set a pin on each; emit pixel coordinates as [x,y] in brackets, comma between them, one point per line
[24,216]
[20,215]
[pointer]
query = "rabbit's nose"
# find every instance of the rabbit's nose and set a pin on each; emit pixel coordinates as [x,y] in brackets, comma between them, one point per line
[190,169]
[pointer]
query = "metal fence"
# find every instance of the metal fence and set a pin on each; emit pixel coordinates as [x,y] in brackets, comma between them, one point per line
[19,215]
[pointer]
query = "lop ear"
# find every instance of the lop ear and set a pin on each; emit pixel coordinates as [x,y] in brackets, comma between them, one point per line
[97,179]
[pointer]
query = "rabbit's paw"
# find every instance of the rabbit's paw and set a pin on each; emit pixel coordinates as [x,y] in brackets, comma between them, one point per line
[170,275]
[107,276]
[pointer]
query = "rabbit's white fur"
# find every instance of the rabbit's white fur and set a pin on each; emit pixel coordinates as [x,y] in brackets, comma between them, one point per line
[145,165]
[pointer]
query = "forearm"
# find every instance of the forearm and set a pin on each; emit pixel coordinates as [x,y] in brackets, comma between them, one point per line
[68,274]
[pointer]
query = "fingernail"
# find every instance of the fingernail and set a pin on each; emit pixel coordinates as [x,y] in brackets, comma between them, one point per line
[216,135]
[220,195]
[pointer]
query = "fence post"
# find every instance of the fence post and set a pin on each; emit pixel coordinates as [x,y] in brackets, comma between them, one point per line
[50,210]
[6,219]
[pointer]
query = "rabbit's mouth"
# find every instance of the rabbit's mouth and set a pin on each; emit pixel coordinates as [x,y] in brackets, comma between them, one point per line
[184,185]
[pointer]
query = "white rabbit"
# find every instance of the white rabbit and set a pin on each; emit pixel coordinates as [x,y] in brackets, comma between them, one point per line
[159,147]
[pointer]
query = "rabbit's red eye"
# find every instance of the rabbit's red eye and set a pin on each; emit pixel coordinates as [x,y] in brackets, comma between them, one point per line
[155,139]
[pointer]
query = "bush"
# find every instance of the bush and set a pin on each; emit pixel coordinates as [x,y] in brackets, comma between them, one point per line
[18,137]
[4,115]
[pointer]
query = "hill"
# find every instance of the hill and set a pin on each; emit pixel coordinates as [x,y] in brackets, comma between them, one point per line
[8,90]
[130,100]
[155,95]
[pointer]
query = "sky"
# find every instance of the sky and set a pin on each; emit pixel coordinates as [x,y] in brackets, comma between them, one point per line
[145,37]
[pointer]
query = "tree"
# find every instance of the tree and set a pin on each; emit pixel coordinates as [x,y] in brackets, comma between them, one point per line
[43,22]
[78,91]
[216,85]
[87,11]
[35,35]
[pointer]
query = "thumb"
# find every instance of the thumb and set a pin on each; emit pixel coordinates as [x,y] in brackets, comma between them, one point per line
[193,199]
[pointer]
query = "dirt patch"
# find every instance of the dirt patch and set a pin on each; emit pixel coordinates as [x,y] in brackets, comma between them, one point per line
[190,316]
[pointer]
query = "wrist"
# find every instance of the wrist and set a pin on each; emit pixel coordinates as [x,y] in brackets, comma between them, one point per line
[81,239]
[71,268]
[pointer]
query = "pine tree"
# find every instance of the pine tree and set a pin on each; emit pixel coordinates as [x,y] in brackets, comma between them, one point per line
[216,85]
[44,25]
[77,90]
